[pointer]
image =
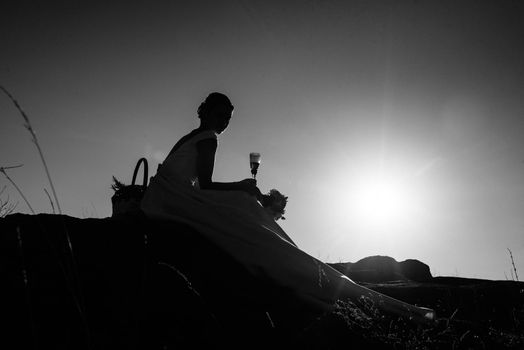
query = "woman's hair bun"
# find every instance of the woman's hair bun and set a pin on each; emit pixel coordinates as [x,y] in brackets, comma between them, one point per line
[212,100]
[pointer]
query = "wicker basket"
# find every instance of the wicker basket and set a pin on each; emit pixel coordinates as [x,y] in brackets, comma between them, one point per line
[127,197]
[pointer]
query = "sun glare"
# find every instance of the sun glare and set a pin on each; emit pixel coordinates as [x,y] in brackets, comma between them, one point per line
[382,202]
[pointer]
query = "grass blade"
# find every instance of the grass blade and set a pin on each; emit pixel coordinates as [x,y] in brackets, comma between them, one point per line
[28,126]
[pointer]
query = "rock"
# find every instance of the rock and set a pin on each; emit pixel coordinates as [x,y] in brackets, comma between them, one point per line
[415,270]
[129,283]
[375,269]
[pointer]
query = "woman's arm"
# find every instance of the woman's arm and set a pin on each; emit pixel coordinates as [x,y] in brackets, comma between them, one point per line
[206,162]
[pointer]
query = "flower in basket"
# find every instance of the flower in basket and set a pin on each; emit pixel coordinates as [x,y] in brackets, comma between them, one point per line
[126,197]
[274,202]
[127,192]
[117,185]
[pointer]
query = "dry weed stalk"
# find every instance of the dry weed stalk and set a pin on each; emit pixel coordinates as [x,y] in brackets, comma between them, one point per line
[50,201]
[6,208]
[77,295]
[513,263]
[28,126]
[3,171]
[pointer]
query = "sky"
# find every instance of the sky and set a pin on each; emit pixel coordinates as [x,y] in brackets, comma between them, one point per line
[395,127]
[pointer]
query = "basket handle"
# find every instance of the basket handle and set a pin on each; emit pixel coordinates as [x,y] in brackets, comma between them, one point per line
[141,160]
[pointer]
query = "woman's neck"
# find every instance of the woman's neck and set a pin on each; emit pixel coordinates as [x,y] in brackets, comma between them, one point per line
[204,127]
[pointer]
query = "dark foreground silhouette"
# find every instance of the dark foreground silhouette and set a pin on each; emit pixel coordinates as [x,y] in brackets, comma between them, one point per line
[137,284]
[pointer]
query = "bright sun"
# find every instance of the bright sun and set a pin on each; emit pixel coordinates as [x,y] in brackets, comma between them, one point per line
[382,201]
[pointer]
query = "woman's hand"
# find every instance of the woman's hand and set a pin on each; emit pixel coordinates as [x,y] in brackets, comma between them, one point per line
[250,186]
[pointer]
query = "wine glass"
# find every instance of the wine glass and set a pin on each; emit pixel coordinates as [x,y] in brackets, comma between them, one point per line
[254,163]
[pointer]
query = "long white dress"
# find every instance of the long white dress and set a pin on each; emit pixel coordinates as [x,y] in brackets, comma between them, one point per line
[238,224]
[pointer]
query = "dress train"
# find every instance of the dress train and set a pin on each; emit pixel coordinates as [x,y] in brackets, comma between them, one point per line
[238,224]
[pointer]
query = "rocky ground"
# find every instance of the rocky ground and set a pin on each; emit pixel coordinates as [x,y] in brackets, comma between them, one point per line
[130,283]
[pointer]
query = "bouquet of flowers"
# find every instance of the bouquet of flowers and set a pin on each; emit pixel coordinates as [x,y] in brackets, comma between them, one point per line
[274,202]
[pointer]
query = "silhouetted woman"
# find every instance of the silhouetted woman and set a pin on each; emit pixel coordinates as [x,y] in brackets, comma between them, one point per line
[231,216]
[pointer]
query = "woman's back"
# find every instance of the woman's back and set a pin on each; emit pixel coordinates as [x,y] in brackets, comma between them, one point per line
[181,163]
